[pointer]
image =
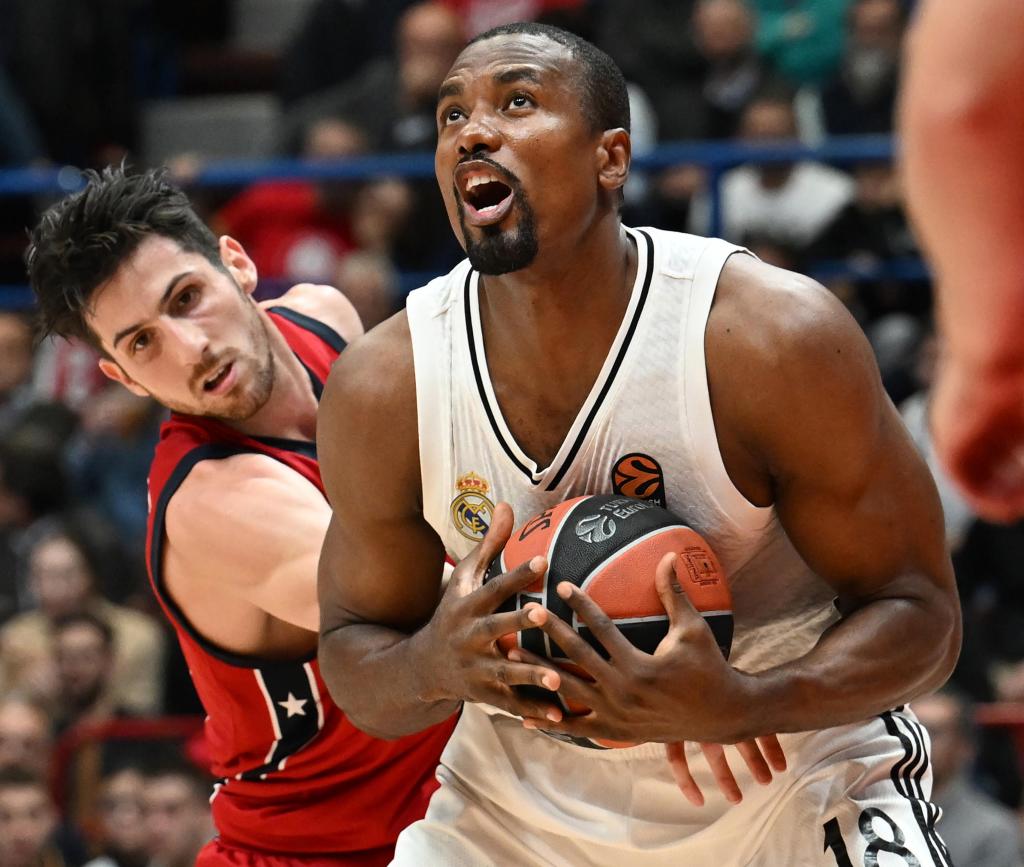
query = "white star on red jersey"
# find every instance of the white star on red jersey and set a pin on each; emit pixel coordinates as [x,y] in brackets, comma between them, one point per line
[294,706]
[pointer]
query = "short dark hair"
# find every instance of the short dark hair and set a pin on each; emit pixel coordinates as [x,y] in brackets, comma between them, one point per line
[81,241]
[170,763]
[84,618]
[605,97]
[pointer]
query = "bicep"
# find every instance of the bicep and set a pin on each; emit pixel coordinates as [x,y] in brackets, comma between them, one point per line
[254,527]
[849,487]
[381,563]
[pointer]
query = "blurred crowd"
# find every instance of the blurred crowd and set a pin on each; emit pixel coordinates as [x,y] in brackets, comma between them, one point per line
[83,650]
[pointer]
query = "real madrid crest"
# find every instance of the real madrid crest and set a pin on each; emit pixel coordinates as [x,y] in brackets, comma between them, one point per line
[471,508]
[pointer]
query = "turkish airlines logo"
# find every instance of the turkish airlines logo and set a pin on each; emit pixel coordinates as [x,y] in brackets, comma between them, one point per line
[595,528]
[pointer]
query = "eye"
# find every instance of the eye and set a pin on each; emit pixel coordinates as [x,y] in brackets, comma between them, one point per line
[450,115]
[520,100]
[140,342]
[186,297]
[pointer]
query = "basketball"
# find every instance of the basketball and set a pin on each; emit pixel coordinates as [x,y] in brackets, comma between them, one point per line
[610,546]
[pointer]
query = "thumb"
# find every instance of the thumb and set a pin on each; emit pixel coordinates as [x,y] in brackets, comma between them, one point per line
[498,533]
[677,604]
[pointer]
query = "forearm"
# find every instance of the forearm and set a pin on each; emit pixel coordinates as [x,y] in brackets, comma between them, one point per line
[382,679]
[879,656]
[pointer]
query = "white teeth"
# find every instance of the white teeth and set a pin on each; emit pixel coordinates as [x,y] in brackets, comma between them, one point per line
[476,180]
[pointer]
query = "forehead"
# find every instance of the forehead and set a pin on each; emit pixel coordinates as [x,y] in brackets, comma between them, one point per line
[134,289]
[486,60]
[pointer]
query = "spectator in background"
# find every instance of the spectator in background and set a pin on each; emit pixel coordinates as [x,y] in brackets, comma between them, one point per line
[979,831]
[15,366]
[652,43]
[63,573]
[872,226]
[861,96]
[108,463]
[31,487]
[481,15]
[26,736]
[803,39]
[176,814]
[121,832]
[28,822]
[84,654]
[791,203]
[734,73]
[390,107]
[370,282]
[391,104]
[337,39]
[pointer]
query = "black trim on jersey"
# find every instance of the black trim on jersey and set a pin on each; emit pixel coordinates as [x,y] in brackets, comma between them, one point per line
[906,776]
[327,334]
[645,289]
[209,451]
[300,447]
[582,435]
[480,384]
[287,688]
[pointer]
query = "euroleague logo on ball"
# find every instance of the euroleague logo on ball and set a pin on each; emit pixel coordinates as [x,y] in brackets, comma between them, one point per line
[638,475]
[595,528]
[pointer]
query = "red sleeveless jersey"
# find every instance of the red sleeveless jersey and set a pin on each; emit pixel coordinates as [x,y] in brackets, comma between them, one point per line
[296,776]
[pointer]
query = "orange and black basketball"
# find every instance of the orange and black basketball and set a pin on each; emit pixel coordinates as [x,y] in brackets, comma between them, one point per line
[610,546]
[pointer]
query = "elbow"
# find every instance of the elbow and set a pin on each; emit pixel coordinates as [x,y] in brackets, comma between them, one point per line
[949,628]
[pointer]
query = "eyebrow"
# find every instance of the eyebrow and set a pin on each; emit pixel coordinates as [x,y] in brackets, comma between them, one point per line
[506,76]
[517,73]
[124,332]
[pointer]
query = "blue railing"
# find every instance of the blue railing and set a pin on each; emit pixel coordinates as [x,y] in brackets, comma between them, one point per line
[715,157]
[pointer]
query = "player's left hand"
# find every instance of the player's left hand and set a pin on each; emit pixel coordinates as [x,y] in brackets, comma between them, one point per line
[686,690]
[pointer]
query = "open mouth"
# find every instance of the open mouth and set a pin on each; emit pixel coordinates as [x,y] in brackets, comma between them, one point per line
[220,376]
[486,196]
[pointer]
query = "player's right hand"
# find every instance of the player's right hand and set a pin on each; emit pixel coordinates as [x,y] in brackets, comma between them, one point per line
[977,420]
[466,626]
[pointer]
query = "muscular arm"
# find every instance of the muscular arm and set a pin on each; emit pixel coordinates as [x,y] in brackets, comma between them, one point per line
[381,565]
[815,433]
[962,123]
[253,526]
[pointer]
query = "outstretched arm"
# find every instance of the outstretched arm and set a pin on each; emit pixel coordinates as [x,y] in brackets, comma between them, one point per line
[962,124]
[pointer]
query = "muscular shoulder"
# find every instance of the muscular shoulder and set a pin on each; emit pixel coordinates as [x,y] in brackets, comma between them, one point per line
[325,304]
[220,498]
[369,408]
[785,357]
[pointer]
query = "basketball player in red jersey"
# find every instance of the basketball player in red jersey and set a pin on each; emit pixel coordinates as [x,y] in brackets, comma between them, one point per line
[962,123]
[566,341]
[237,512]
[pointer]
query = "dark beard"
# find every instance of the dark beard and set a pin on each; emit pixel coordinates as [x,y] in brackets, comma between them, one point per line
[500,251]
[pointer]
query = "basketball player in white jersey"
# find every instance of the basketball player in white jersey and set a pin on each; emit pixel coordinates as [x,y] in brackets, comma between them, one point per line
[962,123]
[566,346]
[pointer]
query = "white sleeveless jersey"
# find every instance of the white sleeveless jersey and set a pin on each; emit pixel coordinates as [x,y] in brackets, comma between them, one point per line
[645,429]
[511,796]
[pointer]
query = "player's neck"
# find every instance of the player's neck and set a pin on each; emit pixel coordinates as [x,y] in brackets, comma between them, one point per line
[590,280]
[290,411]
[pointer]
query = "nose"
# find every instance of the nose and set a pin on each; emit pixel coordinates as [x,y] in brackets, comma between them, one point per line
[189,337]
[478,134]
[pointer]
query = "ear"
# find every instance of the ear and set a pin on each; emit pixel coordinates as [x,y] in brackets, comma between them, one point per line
[112,370]
[613,157]
[238,263]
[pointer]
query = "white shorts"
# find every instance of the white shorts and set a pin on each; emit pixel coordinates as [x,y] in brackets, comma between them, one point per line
[854,796]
